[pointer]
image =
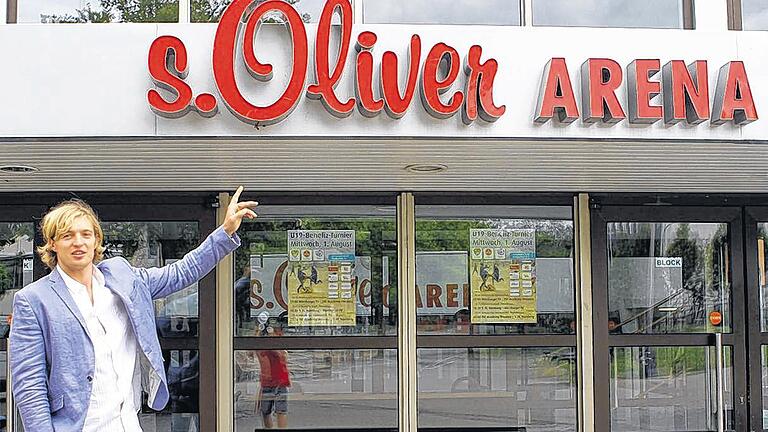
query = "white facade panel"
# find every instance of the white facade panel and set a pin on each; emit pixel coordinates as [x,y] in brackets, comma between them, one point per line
[91,81]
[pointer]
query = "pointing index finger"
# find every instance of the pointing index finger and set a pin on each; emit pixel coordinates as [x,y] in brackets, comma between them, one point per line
[236,196]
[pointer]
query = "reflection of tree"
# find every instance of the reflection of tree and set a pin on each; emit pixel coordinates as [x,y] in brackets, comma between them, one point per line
[134,11]
[137,241]
[211,10]
[14,233]
[686,246]
[138,11]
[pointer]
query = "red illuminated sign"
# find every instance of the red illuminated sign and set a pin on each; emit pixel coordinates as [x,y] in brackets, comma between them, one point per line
[684,92]
[239,26]
[434,74]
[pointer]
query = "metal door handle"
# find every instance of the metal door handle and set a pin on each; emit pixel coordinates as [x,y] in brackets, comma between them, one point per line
[719,382]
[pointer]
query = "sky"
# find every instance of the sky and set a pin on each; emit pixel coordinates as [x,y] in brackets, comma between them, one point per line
[442,11]
[755,13]
[619,13]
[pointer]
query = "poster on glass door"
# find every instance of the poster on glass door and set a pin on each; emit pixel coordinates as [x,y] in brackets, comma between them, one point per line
[321,265]
[502,266]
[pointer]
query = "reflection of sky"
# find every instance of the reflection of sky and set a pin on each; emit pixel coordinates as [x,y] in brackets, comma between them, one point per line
[608,13]
[496,12]
[30,10]
[754,14]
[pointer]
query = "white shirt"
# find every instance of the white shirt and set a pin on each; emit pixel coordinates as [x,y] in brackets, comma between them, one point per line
[116,392]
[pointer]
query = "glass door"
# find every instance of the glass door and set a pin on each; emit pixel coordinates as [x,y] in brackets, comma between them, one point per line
[496,321]
[668,286]
[756,228]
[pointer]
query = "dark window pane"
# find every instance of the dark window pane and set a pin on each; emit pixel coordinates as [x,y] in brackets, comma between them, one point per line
[667,389]
[264,304]
[182,414]
[318,389]
[445,271]
[16,261]
[211,10]
[754,14]
[491,12]
[4,393]
[762,263]
[534,388]
[156,244]
[608,13]
[668,278]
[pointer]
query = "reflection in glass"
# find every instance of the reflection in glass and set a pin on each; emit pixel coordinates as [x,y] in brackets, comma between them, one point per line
[667,388]
[609,13]
[182,414]
[328,389]
[754,14]
[16,261]
[762,263]
[98,11]
[668,278]
[534,388]
[211,10]
[489,12]
[3,390]
[155,244]
[442,269]
[764,374]
[262,270]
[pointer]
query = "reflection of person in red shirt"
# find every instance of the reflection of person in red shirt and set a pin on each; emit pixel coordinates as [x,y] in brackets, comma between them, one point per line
[275,380]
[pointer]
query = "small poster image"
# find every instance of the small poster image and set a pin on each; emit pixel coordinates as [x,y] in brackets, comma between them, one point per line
[320,268]
[502,267]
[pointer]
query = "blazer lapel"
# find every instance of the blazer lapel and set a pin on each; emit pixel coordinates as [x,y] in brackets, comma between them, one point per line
[60,288]
[112,283]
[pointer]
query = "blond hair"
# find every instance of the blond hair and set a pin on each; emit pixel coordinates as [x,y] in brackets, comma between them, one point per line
[59,220]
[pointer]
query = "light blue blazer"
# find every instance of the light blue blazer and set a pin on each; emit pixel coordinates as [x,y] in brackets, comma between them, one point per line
[50,352]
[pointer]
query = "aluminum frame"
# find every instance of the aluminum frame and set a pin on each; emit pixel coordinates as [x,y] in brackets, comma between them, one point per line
[137,207]
[601,216]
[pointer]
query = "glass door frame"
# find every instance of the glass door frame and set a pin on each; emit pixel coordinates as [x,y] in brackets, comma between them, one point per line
[756,338]
[601,216]
[503,341]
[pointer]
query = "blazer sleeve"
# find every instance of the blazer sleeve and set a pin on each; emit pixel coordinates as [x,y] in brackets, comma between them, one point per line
[194,266]
[28,368]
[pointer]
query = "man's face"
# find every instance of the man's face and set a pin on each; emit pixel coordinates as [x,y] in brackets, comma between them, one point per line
[75,248]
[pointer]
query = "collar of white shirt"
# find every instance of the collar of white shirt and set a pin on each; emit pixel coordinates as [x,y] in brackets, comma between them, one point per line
[72,284]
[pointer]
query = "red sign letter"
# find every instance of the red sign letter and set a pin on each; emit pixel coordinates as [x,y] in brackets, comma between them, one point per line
[640,91]
[396,105]
[367,103]
[556,94]
[733,96]
[432,86]
[168,67]
[599,80]
[686,92]
[326,81]
[224,61]
[479,88]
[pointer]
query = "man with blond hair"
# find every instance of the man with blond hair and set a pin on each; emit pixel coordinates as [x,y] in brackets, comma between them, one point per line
[83,343]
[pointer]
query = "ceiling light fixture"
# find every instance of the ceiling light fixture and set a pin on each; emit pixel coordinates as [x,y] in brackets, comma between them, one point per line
[426,168]
[18,169]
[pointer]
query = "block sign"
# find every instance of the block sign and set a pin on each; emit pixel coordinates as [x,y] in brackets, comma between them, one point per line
[665,262]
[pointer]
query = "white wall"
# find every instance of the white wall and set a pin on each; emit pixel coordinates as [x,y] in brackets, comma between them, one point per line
[91,80]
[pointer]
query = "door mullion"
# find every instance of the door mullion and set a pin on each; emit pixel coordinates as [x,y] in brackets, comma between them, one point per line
[753,334]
